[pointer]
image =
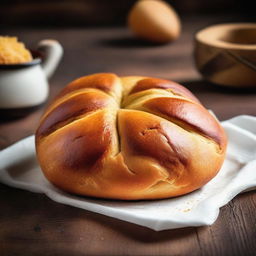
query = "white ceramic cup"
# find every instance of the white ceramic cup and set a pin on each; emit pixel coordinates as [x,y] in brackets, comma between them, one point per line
[26,85]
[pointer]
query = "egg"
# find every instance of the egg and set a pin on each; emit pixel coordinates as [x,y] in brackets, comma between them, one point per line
[155,21]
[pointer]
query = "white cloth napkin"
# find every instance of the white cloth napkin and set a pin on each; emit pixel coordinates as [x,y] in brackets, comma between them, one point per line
[19,168]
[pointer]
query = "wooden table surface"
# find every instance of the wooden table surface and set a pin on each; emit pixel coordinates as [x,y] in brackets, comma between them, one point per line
[32,224]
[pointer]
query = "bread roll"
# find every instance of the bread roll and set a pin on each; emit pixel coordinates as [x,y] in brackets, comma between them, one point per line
[128,138]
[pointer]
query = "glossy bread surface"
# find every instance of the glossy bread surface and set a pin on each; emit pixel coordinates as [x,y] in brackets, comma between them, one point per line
[128,138]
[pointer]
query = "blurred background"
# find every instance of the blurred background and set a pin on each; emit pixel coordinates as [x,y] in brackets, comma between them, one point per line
[108,12]
[95,39]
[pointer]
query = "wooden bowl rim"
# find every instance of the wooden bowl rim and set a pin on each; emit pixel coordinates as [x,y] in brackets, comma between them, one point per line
[209,36]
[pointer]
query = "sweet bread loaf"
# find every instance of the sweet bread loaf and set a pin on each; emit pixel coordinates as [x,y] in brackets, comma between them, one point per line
[128,138]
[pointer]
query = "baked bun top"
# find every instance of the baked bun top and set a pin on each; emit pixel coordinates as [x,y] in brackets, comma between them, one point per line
[128,138]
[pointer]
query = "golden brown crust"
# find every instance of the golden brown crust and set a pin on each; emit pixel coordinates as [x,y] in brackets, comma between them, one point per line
[105,82]
[187,114]
[159,142]
[150,83]
[73,108]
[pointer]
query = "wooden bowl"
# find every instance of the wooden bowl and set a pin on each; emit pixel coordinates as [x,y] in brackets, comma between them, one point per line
[225,54]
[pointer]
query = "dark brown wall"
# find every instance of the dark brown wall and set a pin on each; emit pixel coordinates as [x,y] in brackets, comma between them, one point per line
[102,12]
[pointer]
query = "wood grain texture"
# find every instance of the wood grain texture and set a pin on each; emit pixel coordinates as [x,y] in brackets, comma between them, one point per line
[32,224]
[225,54]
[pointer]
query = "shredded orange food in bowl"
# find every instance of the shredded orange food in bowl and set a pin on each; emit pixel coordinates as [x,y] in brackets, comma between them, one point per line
[12,51]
